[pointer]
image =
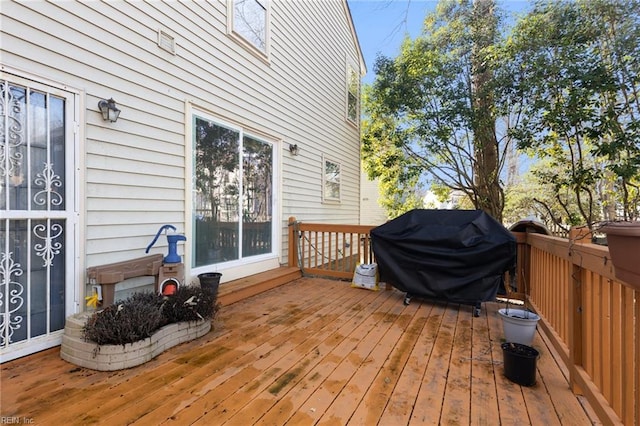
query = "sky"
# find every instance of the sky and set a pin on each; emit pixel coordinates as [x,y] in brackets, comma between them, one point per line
[381,25]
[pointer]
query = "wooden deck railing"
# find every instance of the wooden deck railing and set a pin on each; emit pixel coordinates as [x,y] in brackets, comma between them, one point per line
[329,250]
[592,319]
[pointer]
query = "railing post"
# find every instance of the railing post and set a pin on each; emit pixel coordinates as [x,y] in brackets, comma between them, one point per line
[523,265]
[577,235]
[575,327]
[524,271]
[580,234]
[293,246]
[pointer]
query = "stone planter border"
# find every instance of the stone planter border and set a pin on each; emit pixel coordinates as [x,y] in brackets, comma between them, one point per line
[76,350]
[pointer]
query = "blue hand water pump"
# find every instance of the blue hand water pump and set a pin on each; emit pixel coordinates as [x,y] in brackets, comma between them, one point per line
[172,240]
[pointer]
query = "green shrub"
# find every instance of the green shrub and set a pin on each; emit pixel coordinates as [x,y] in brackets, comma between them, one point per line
[140,315]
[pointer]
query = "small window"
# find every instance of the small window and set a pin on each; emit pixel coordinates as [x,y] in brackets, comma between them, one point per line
[353,98]
[331,180]
[250,22]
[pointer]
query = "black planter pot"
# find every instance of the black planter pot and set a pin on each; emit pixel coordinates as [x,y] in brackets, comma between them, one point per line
[520,363]
[210,281]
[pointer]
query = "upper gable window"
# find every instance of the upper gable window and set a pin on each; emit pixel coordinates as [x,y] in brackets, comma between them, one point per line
[250,22]
[353,98]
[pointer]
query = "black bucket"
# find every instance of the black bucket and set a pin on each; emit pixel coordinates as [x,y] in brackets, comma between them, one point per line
[520,363]
[210,281]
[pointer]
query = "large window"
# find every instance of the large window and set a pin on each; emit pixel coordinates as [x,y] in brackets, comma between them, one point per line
[233,194]
[250,22]
[331,180]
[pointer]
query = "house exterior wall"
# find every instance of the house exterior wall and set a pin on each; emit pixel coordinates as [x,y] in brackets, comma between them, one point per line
[135,172]
[370,211]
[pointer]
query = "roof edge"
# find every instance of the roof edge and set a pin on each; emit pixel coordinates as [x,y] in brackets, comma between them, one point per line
[354,34]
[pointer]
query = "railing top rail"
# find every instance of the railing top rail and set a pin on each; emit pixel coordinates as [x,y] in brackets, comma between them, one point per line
[593,257]
[329,227]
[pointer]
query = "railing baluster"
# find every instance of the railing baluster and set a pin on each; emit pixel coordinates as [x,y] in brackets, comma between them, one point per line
[617,322]
[315,255]
[310,250]
[576,306]
[629,309]
[353,257]
[335,249]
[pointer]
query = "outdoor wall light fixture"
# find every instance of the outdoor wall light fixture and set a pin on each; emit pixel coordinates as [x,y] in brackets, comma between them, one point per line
[109,110]
[293,149]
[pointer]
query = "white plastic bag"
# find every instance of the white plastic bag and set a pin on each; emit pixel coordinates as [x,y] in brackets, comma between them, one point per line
[366,276]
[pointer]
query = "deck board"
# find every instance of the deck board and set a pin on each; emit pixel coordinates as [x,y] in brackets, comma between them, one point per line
[456,405]
[313,351]
[429,400]
[400,405]
[484,399]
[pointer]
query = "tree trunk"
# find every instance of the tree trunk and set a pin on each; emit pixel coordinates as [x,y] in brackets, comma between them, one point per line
[489,194]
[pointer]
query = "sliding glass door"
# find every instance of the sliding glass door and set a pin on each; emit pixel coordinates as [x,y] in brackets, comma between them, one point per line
[233,193]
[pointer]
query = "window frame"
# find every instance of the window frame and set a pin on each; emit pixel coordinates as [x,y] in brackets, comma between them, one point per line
[245,41]
[325,198]
[242,131]
[352,73]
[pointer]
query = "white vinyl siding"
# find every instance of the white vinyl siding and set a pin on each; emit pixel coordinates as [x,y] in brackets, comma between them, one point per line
[135,169]
[370,211]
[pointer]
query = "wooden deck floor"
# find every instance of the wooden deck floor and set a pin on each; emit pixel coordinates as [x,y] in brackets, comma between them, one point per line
[313,351]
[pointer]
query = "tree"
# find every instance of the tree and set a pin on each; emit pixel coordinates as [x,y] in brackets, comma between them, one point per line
[216,160]
[575,66]
[618,29]
[431,112]
[533,196]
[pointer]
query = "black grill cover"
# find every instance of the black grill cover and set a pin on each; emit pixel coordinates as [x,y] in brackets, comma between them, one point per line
[453,255]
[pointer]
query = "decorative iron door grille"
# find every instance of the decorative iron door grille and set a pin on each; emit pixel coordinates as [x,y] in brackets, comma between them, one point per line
[37,202]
